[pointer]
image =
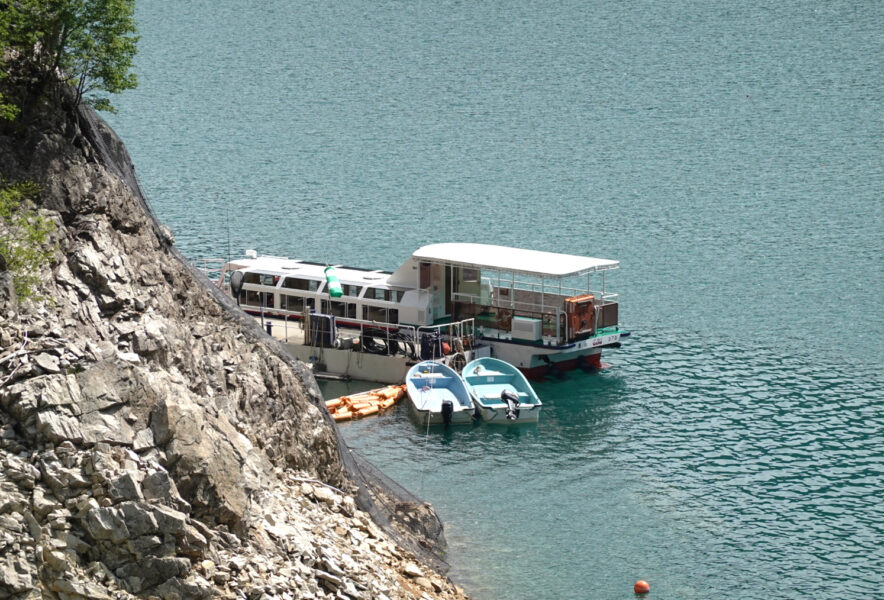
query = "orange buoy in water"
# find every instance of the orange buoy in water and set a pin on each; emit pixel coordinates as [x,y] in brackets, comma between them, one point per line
[641,587]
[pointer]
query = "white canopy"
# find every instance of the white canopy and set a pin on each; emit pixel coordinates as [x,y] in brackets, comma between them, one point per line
[517,260]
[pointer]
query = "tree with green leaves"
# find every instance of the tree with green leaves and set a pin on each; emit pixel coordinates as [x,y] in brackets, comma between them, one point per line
[49,45]
[8,110]
[24,234]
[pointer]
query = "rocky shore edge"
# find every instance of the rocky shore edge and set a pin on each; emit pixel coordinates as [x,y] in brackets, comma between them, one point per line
[154,443]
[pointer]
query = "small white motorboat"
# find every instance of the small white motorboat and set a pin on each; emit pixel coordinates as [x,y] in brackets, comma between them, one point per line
[438,395]
[501,392]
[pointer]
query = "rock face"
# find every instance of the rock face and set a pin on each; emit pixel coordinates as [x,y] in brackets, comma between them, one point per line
[151,445]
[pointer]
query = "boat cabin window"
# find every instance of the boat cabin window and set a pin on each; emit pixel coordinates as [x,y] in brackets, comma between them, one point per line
[253,298]
[374,313]
[248,298]
[378,294]
[300,304]
[380,314]
[294,303]
[339,309]
[385,295]
[261,279]
[470,275]
[352,290]
[295,283]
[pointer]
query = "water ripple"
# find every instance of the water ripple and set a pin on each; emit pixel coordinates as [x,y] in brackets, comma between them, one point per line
[690,459]
[729,154]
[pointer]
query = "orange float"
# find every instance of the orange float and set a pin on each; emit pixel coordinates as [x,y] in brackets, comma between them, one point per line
[363,404]
[641,587]
[342,415]
[368,410]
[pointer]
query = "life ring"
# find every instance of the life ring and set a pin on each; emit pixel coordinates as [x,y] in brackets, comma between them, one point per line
[582,319]
[504,318]
[458,362]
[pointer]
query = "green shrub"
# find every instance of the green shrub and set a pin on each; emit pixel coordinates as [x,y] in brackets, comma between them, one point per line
[47,45]
[24,236]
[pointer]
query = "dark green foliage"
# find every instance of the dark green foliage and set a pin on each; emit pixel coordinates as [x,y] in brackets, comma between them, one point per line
[23,236]
[48,45]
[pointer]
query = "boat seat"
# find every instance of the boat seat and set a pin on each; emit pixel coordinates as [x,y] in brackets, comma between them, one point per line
[438,381]
[482,378]
[495,395]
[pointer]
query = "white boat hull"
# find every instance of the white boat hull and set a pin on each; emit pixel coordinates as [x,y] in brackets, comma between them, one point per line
[431,388]
[458,417]
[537,361]
[496,414]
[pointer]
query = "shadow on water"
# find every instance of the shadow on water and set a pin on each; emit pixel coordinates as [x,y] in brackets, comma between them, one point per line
[579,407]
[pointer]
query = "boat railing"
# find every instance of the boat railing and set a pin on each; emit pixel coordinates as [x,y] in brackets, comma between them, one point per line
[548,287]
[471,298]
[551,311]
[376,329]
[464,329]
[607,298]
[549,304]
[396,337]
[215,269]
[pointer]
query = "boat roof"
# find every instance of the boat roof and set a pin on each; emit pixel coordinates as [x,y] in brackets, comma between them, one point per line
[517,260]
[283,266]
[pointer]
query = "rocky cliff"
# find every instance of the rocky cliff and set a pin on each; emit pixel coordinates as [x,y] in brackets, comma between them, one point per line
[154,443]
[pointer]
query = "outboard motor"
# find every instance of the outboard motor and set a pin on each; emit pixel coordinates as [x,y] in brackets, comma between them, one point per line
[512,404]
[447,411]
[431,346]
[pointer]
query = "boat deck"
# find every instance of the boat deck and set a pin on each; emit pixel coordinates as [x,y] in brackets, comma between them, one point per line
[337,363]
[433,398]
[346,362]
[288,331]
[492,391]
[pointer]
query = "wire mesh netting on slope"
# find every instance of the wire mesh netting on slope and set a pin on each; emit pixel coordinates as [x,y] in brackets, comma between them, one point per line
[409,521]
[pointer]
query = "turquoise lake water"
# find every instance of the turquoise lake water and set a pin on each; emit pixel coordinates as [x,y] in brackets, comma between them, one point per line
[730,155]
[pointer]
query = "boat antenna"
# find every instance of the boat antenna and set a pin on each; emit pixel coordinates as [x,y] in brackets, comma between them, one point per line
[426,444]
[227,217]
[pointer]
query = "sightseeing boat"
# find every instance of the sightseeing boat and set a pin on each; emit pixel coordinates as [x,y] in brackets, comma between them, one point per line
[539,311]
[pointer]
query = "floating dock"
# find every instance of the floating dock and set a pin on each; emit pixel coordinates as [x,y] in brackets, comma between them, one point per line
[363,404]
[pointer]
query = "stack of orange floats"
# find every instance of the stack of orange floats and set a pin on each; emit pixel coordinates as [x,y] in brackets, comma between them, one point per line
[365,403]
